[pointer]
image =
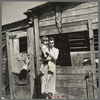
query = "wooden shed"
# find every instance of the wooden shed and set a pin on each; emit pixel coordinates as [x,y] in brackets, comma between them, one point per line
[74,26]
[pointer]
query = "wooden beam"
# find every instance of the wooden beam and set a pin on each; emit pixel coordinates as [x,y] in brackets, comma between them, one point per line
[9,51]
[91,37]
[92,49]
[30,38]
[37,55]
[37,48]
[18,34]
[58,18]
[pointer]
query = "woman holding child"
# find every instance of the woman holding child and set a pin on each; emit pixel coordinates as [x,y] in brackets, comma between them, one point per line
[49,55]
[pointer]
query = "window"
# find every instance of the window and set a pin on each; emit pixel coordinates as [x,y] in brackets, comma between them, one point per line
[23,44]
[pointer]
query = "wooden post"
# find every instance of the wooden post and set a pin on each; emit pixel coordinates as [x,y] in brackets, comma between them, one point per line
[9,50]
[37,55]
[36,34]
[30,38]
[92,50]
[89,83]
[91,37]
[58,18]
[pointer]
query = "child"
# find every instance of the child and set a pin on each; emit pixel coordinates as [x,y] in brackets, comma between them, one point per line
[44,47]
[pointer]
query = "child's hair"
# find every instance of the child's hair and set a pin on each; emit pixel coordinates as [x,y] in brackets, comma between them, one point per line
[44,38]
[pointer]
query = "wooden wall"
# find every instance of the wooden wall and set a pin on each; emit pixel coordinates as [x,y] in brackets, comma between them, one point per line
[73,18]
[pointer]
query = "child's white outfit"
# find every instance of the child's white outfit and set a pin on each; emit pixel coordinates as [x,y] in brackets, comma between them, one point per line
[44,48]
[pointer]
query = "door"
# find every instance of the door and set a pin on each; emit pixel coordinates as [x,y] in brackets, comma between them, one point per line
[17,50]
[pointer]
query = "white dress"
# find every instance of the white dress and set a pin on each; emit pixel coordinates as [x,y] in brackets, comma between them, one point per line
[48,80]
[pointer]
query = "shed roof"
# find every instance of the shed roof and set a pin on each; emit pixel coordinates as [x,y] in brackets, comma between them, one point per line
[43,7]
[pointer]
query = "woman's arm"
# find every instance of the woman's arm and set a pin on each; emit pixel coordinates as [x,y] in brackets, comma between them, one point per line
[55,55]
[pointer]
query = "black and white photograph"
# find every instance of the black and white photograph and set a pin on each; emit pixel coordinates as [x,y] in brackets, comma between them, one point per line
[50,50]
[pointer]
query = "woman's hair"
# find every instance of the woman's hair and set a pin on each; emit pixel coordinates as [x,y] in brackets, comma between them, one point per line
[51,39]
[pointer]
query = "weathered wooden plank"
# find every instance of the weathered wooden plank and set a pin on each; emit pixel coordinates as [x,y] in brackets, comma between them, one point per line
[16,46]
[77,36]
[77,45]
[72,80]
[88,55]
[18,34]
[77,6]
[78,39]
[36,35]
[30,37]
[79,50]
[94,17]
[49,32]
[9,63]
[58,18]
[84,47]
[91,37]
[71,70]
[76,42]
[47,23]
[47,27]
[78,28]
[71,76]
[79,12]
[89,84]
[64,84]
[74,24]
[73,91]
[47,16]
[20,27]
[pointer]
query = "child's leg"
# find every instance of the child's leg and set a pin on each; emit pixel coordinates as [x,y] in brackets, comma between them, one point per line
[41,69]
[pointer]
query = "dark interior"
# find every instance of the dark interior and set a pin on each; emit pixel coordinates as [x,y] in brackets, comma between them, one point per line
[23,44]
